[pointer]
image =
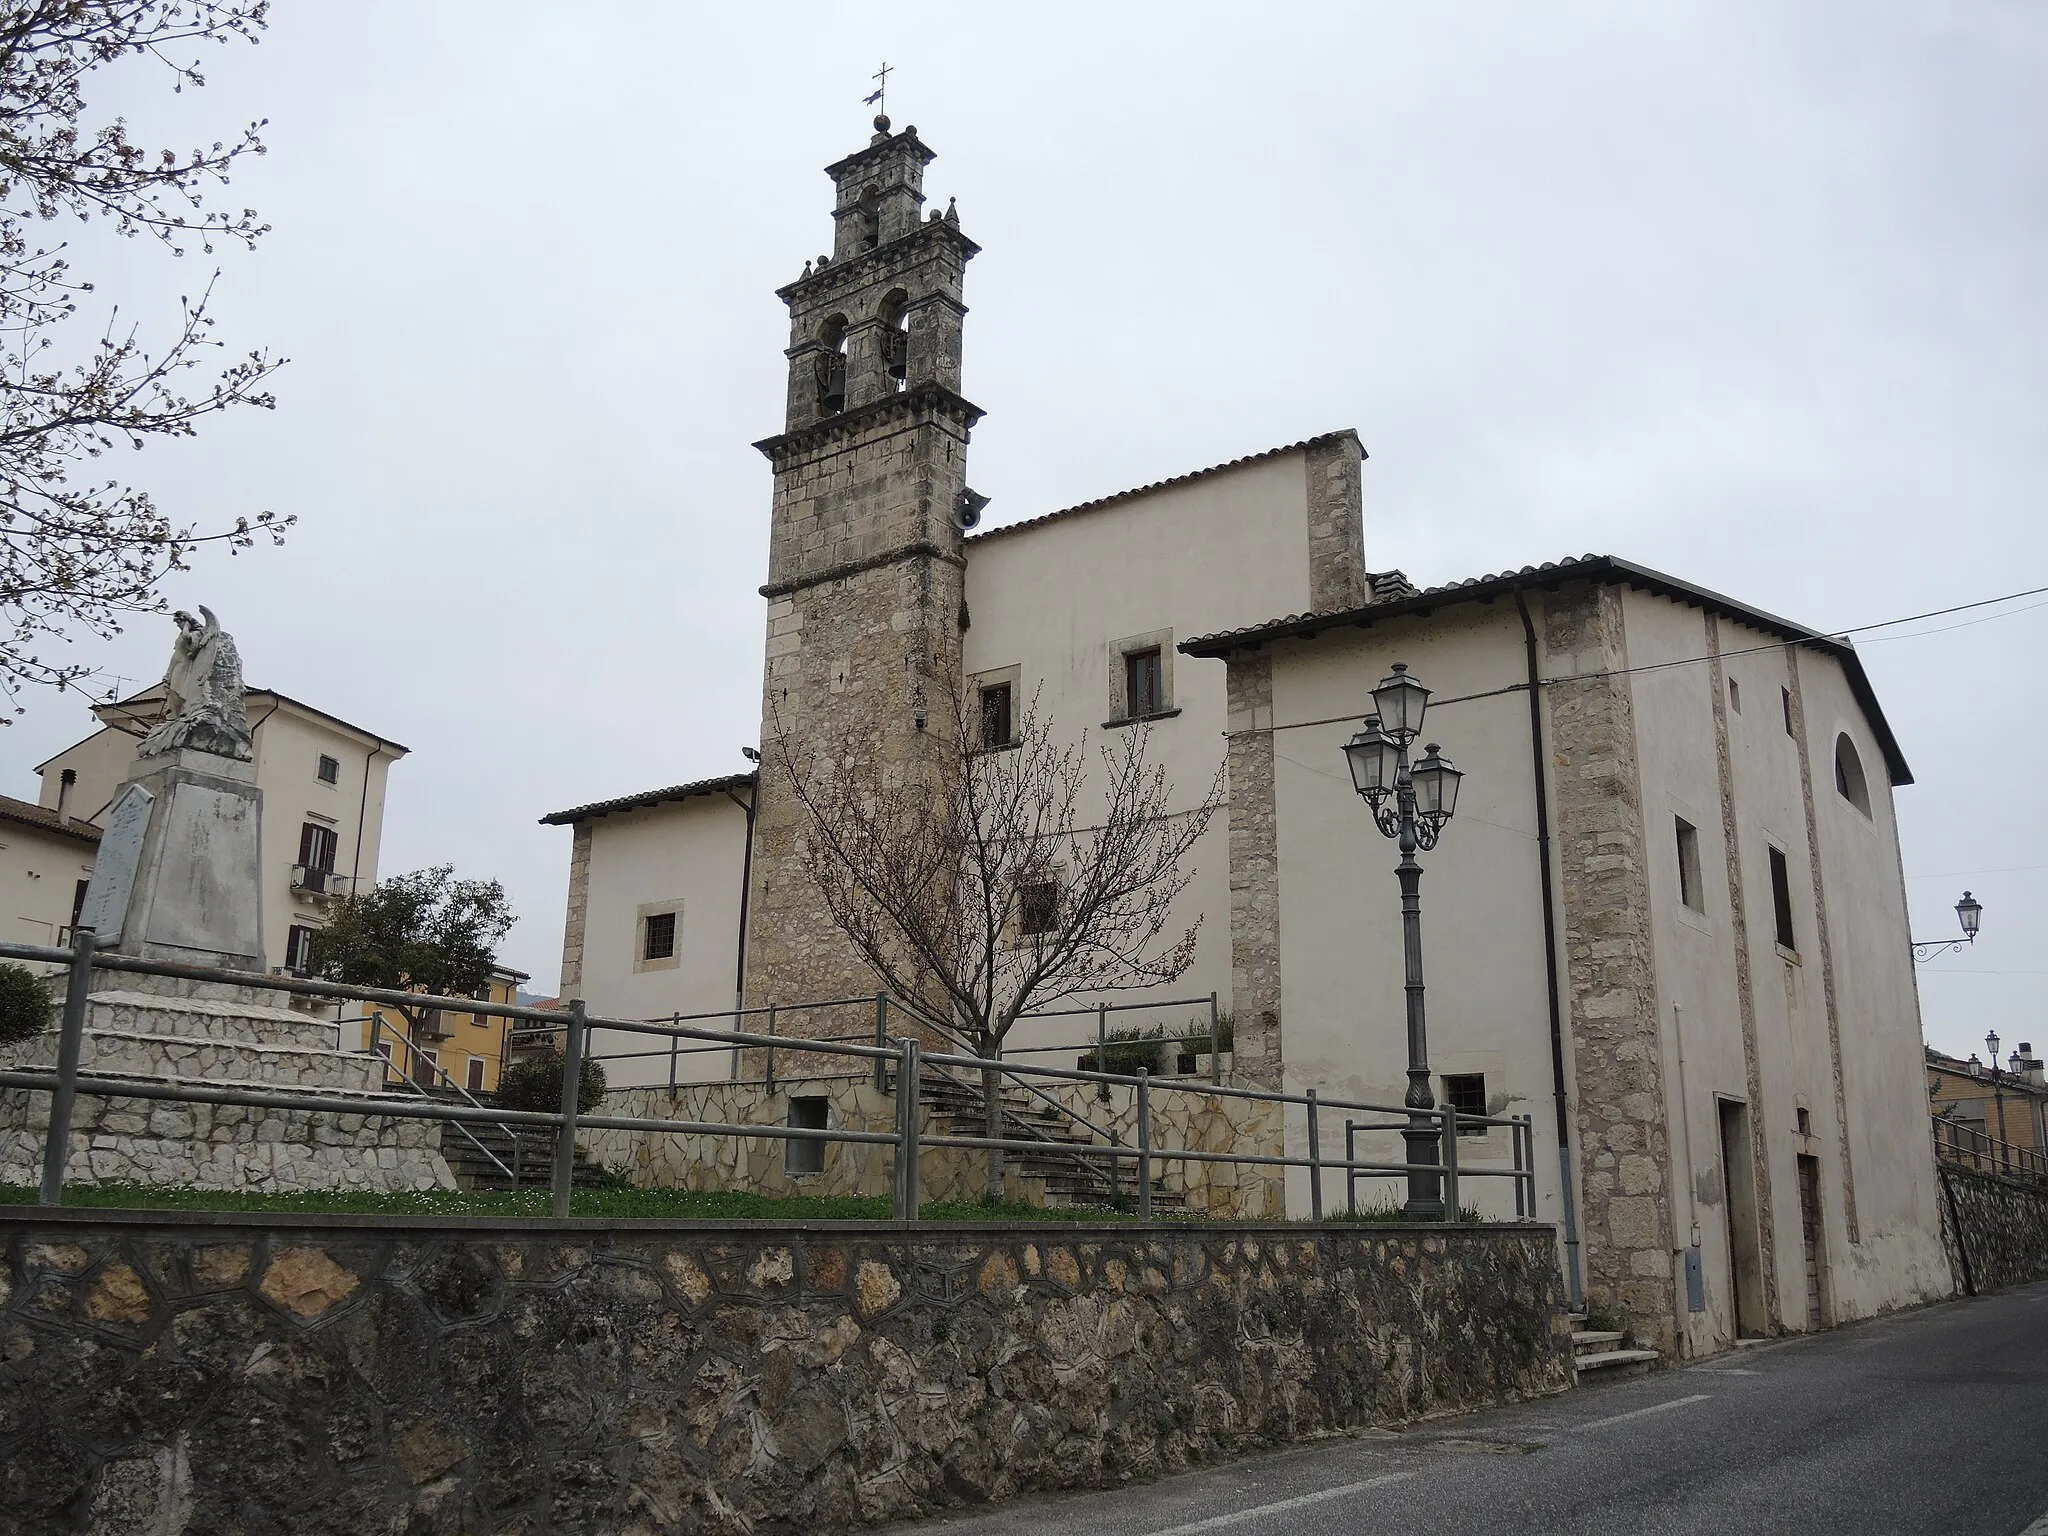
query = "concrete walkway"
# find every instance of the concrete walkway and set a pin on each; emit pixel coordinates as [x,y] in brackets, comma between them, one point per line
[1932,1421]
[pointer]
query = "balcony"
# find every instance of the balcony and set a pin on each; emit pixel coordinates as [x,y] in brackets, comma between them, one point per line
[320,884]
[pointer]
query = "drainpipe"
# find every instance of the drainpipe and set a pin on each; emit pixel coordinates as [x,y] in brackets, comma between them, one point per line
[739,981]
[355,868]
[1539,770]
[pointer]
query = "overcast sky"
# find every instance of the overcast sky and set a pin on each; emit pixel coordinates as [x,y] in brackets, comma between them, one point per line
[1748,293]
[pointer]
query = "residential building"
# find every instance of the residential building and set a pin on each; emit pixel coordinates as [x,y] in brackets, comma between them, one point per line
[2011,1106]
[1668,922]
[448,1050]
[46,860]
[323,783]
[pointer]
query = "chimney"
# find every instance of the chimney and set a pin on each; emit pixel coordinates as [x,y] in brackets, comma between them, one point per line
[65,780]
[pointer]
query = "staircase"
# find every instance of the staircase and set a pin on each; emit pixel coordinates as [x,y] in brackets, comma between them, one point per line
[1602,1350]
[528,1152]
[1069,1177]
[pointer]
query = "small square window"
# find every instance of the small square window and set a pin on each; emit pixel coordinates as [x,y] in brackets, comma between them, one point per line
[998,722]
[1143,694]
[659,939]
[330,769]
[1689,866]
[1038,907]
[1465,1092]
[807,1113]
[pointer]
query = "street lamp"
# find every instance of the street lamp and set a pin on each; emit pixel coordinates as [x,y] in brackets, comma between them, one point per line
[1424,797]
[1998,1094]
[1970,913]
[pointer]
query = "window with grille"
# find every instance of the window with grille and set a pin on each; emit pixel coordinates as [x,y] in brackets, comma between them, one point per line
[998,720]
[1142,691]
[329,769]
[658,941]
[1466,1093]
[1038,907]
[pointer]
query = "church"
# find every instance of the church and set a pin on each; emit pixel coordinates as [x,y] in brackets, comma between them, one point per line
[1667,923]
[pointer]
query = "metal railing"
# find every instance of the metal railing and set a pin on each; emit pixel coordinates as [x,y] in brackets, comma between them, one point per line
[378,1024]
[907,1139]
[312,880]
[1961,1145]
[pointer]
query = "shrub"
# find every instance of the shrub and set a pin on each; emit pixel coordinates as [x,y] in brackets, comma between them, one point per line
[24,1004]
[536,1084]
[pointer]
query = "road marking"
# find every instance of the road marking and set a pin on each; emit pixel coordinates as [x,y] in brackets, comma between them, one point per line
[1217,1522]
[1676,1402]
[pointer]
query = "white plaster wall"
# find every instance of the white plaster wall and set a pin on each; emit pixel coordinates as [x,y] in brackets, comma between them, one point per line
[689,850]
[1224,551]
[1343,1022]
[101,762]
[1899,1258]
[39,875]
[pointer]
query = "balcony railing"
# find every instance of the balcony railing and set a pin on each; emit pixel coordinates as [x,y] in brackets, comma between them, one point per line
[311,880]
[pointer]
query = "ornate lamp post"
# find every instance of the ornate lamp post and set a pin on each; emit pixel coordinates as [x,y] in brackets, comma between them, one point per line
[1998,1096]
[1424,796]
[1970,913]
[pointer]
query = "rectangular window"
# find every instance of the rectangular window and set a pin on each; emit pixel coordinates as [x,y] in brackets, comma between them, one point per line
[1142,693]
[298,949]
[78,900]
[1785,694]
[475,1080]
[1781,898]
[659,939]
[1038,907]
[807,1114]
[1466,1093]
[997,722]
[317,848]
[1735,695]
[329,769]
[430,1068]
[1689,866]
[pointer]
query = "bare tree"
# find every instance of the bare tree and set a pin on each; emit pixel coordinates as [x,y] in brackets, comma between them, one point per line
[989,881]
[78,549]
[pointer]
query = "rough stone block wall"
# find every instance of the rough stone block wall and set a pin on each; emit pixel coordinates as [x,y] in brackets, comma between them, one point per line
[1617,1047]
[1994,1228]
[1254,870]
[183,1373]
[579,909]
[1336,525]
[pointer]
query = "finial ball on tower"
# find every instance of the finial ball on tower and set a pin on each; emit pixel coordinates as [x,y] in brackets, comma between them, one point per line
[881,122]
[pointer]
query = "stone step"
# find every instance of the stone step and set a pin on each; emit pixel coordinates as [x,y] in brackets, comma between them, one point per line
[1583,1339]
[1614,1359]
[212,1062]
[207,1018]
[177,987]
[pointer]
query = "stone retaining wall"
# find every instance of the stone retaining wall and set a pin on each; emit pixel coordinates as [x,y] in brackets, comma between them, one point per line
[1995,1229]
[175,1372]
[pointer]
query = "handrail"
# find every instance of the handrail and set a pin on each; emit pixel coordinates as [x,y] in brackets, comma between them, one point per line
[908,1139]
[1985,1152]
[377,1022]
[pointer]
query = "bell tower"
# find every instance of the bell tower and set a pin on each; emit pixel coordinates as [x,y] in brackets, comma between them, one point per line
[864,563]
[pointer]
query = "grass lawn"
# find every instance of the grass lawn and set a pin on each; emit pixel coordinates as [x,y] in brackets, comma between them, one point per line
[622,1203]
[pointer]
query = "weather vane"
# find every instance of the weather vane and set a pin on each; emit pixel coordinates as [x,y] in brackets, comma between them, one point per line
[879,100]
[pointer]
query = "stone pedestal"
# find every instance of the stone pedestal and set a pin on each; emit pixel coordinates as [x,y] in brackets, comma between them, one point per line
[203,1034]
[179,876]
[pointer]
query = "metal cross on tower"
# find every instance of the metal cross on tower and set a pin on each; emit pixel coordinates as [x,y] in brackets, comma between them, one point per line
[879,101]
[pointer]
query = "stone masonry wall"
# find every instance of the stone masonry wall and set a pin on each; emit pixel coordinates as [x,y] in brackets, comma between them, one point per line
[1995,1229]
[171,1373]
[1617,1049]
[1254,870]
[1181,1121]
[579,910]
[1336,525]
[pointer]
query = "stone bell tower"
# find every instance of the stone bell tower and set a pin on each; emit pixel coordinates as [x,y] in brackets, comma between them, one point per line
[864,566]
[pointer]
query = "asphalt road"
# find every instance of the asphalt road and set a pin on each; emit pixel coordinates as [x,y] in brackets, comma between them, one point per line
[1931,1421]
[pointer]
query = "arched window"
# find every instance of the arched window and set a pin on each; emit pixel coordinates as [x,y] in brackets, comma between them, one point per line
[895,317]
[832,366]
[1849,781]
